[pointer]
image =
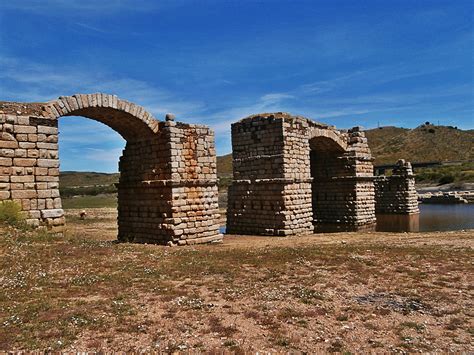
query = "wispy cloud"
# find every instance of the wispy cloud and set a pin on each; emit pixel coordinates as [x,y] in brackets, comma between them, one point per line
[373,76]
[103,155]
[91,28]
[220,121]
[23,80]
[276,98]
[103,7]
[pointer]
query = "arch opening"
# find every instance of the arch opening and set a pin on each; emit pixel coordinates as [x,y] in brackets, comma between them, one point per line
[131,121]
[89,174]
[124,123]
[328,194]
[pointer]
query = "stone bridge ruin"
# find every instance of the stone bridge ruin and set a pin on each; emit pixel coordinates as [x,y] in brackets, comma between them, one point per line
[167,191]
[293,175]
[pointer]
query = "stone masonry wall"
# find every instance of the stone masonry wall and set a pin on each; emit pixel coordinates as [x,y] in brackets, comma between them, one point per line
[396,194]
[291,172]
[29,168]
[256,202]
[167,191]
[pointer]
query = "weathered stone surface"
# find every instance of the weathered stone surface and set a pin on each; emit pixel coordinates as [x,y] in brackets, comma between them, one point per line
[292,174]
[53,213]
[168,184]
[396,194]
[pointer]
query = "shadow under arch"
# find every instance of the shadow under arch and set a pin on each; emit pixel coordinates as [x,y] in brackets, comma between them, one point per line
[328,168]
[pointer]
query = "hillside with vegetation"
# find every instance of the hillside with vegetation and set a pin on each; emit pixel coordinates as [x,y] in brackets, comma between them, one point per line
[425,143]
[422,144]
[73,183]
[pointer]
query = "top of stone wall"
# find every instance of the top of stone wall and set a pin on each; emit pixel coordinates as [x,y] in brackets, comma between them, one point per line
[23,109]
[128,119]
[285,115]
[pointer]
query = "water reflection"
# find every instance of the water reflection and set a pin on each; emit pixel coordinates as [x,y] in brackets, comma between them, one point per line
[398,223]
[335,228]
[431,218]
[446,217]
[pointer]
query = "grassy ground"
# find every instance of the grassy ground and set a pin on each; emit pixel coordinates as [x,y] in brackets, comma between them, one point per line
[99,201]
[331,292]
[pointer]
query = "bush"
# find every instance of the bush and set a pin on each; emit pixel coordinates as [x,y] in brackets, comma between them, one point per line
[10,213]
[446,179]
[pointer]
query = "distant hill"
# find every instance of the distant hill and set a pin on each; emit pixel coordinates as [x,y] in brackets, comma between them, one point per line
[424,143]
[74,183]
[388,144]
[224,165]
[77,178]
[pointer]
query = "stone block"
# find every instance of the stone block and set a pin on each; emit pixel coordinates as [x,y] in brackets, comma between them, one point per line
[7,153]
[24,129]
[6,162]
[23,194]
[24,162]
[52,213]
[48,163]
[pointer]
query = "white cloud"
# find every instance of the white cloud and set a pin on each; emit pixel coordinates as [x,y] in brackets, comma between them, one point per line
[103,155]
[37,82]
[275,98]
[220,121]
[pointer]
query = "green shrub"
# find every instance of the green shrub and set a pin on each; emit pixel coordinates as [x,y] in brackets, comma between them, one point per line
[446,179]
[10,213]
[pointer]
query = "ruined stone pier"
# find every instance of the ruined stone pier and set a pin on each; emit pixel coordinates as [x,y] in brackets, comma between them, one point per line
[167,191]
[293,175]
[396,194]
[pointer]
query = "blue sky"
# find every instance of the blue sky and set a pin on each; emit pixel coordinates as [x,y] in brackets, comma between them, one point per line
[346,63]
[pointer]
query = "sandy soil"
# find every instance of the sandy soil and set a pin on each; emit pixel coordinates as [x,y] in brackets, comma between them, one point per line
[343,292]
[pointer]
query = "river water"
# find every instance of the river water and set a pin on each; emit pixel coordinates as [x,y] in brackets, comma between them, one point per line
[432,218]
[446,217]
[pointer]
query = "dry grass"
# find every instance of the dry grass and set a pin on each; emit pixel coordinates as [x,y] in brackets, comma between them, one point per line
[386,292]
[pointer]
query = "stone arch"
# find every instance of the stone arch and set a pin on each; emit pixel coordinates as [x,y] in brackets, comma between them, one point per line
[167,192]
[274,180]
[131,121]
[327,138]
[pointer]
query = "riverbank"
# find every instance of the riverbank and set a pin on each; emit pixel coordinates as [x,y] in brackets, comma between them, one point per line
[357,292]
